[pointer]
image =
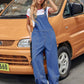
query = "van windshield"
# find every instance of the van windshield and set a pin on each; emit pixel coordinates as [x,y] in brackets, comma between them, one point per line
[19,7]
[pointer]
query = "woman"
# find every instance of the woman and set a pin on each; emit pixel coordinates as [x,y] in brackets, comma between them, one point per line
[43,37]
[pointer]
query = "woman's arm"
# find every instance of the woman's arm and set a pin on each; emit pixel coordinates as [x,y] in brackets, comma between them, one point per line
[28,26]
[53,8]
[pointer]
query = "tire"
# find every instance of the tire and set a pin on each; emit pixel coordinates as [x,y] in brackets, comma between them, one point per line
[64,61]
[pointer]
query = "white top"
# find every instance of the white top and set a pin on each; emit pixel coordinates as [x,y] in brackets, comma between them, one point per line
[39,12]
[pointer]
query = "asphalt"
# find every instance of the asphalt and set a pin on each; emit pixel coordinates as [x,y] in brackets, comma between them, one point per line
[76,75]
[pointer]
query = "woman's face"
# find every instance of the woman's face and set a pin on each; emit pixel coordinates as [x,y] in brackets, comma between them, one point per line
[40,1]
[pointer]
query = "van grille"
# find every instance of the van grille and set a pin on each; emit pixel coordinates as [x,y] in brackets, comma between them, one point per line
[14,60]
[6,42]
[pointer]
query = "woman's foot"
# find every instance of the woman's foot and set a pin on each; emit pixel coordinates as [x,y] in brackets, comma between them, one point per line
[47,82]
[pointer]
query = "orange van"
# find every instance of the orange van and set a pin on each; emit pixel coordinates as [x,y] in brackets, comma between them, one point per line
[67,22]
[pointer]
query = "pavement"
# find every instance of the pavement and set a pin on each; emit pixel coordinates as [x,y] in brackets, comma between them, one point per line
[76,75]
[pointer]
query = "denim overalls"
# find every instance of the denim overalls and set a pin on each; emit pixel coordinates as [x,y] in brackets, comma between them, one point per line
[43,37]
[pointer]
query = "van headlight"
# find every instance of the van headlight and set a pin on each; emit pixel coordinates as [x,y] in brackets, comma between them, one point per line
[24,43]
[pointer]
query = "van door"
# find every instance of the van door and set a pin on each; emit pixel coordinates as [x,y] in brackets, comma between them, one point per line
[75,28]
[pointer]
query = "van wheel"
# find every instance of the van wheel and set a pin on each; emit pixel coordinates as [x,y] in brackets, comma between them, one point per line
[64,61]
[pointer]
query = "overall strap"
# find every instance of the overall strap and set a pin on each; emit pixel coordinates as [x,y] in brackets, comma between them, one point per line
[45,10]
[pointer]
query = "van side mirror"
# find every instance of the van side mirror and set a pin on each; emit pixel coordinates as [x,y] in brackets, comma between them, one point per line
[76,8]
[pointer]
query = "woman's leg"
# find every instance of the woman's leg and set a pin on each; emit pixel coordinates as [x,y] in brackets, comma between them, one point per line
[52,58]
[37,59]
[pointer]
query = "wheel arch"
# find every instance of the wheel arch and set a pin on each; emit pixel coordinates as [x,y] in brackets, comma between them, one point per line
[67,44]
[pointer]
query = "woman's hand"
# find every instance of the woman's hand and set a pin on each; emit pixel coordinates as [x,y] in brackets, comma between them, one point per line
[54,8]
[28,27]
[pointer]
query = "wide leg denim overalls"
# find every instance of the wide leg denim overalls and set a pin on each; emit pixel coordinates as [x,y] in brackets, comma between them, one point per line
[43,37]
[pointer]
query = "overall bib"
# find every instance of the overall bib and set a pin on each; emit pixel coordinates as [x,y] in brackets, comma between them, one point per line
[43,37]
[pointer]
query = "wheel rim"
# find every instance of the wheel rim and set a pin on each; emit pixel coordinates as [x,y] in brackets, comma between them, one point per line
[63,62]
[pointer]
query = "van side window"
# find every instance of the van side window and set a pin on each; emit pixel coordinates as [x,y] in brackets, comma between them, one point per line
[67,11]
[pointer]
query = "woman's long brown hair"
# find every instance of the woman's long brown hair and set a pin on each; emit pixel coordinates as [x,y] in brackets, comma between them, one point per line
[33,9]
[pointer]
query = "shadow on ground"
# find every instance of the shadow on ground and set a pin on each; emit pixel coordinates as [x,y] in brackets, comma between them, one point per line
[77,61]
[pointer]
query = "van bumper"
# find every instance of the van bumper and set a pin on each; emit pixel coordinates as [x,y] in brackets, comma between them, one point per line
[19,70]
[16,67]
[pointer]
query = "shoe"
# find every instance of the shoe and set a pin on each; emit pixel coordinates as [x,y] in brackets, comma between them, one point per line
[47,82]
